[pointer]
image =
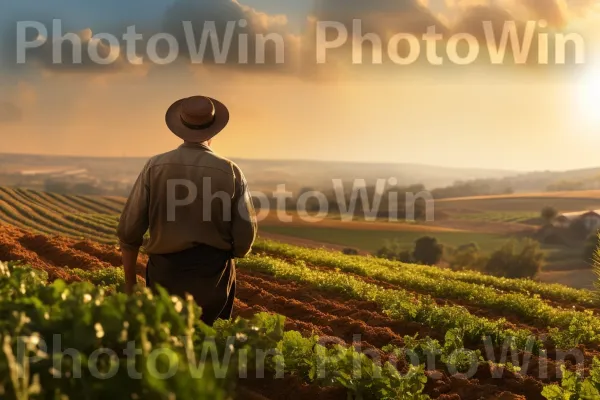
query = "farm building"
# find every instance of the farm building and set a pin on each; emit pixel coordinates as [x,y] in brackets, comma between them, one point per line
[590,219]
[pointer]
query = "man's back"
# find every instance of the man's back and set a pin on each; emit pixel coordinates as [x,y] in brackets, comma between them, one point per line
[187,197]
[199,212]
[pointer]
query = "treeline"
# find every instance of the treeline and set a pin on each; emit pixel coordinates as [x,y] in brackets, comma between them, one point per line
[514,259]
[563,185]
[527,182]
[378,202]
[479,187]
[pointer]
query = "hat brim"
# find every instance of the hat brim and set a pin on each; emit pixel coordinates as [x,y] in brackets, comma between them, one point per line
[176,125]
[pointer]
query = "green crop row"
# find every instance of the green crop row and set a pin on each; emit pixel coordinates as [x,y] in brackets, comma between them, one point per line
[9,215]
[91,223]
[38,198]
[554,292]
[95,205]
[99,203]
[397,303]
[69,201]
[532,309]
[65,341]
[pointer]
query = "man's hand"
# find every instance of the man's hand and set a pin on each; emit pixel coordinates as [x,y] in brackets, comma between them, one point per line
[129,257]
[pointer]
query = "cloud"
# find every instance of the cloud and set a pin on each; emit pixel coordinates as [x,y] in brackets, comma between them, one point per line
[380,16]
[583,7]
[253,31]
[257,38]
[9,113]
[79,52]
[370,22]
[553,11]
[243,29]
[471,20]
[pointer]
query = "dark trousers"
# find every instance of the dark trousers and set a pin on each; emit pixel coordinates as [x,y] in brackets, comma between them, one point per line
[206,273]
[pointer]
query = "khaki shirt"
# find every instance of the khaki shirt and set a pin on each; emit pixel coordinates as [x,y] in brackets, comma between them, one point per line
[186,197]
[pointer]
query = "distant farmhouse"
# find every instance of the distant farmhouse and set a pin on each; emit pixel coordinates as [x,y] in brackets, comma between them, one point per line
[589,219]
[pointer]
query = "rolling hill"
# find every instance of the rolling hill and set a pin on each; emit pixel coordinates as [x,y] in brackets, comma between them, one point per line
[30,170]
[388,309]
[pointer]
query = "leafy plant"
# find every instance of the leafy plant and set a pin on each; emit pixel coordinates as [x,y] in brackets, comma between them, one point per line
[207,359]
[573,387]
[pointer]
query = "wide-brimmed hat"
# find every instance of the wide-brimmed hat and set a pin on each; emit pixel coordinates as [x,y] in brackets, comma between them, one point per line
[197,119]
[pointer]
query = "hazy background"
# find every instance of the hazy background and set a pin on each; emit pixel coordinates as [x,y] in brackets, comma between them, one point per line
[514,118]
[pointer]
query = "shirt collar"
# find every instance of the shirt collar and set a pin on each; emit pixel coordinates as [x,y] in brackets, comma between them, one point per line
[201,146]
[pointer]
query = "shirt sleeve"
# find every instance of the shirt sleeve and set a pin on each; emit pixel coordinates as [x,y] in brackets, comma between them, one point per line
[244,225]
[134,220]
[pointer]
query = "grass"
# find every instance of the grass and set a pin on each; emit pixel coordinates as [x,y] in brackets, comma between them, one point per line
[372,240]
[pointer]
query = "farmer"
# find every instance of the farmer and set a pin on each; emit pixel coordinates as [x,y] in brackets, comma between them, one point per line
[197,207]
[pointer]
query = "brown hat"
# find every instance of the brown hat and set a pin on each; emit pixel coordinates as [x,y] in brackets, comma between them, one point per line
[197,119]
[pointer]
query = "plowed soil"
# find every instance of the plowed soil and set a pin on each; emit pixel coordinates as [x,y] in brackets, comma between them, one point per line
[335,318]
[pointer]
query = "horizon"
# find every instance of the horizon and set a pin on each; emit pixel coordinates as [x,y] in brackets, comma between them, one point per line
[292,160]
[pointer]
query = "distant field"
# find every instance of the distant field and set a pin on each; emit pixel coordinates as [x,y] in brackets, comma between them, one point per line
[563,201]
[335,222]
[574,194]
[95,218]
[373,239]
[498,216]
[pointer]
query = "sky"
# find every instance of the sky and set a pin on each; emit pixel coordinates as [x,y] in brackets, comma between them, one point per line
[516,116]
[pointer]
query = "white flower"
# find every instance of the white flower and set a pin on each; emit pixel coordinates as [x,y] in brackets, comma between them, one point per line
[99,330]
[34,340]
[178,306]
[4,269]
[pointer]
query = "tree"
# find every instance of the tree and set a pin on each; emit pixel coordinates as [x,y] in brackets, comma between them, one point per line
[428,251]
[467,257]
[516,260]
[548,214]
[394,251]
